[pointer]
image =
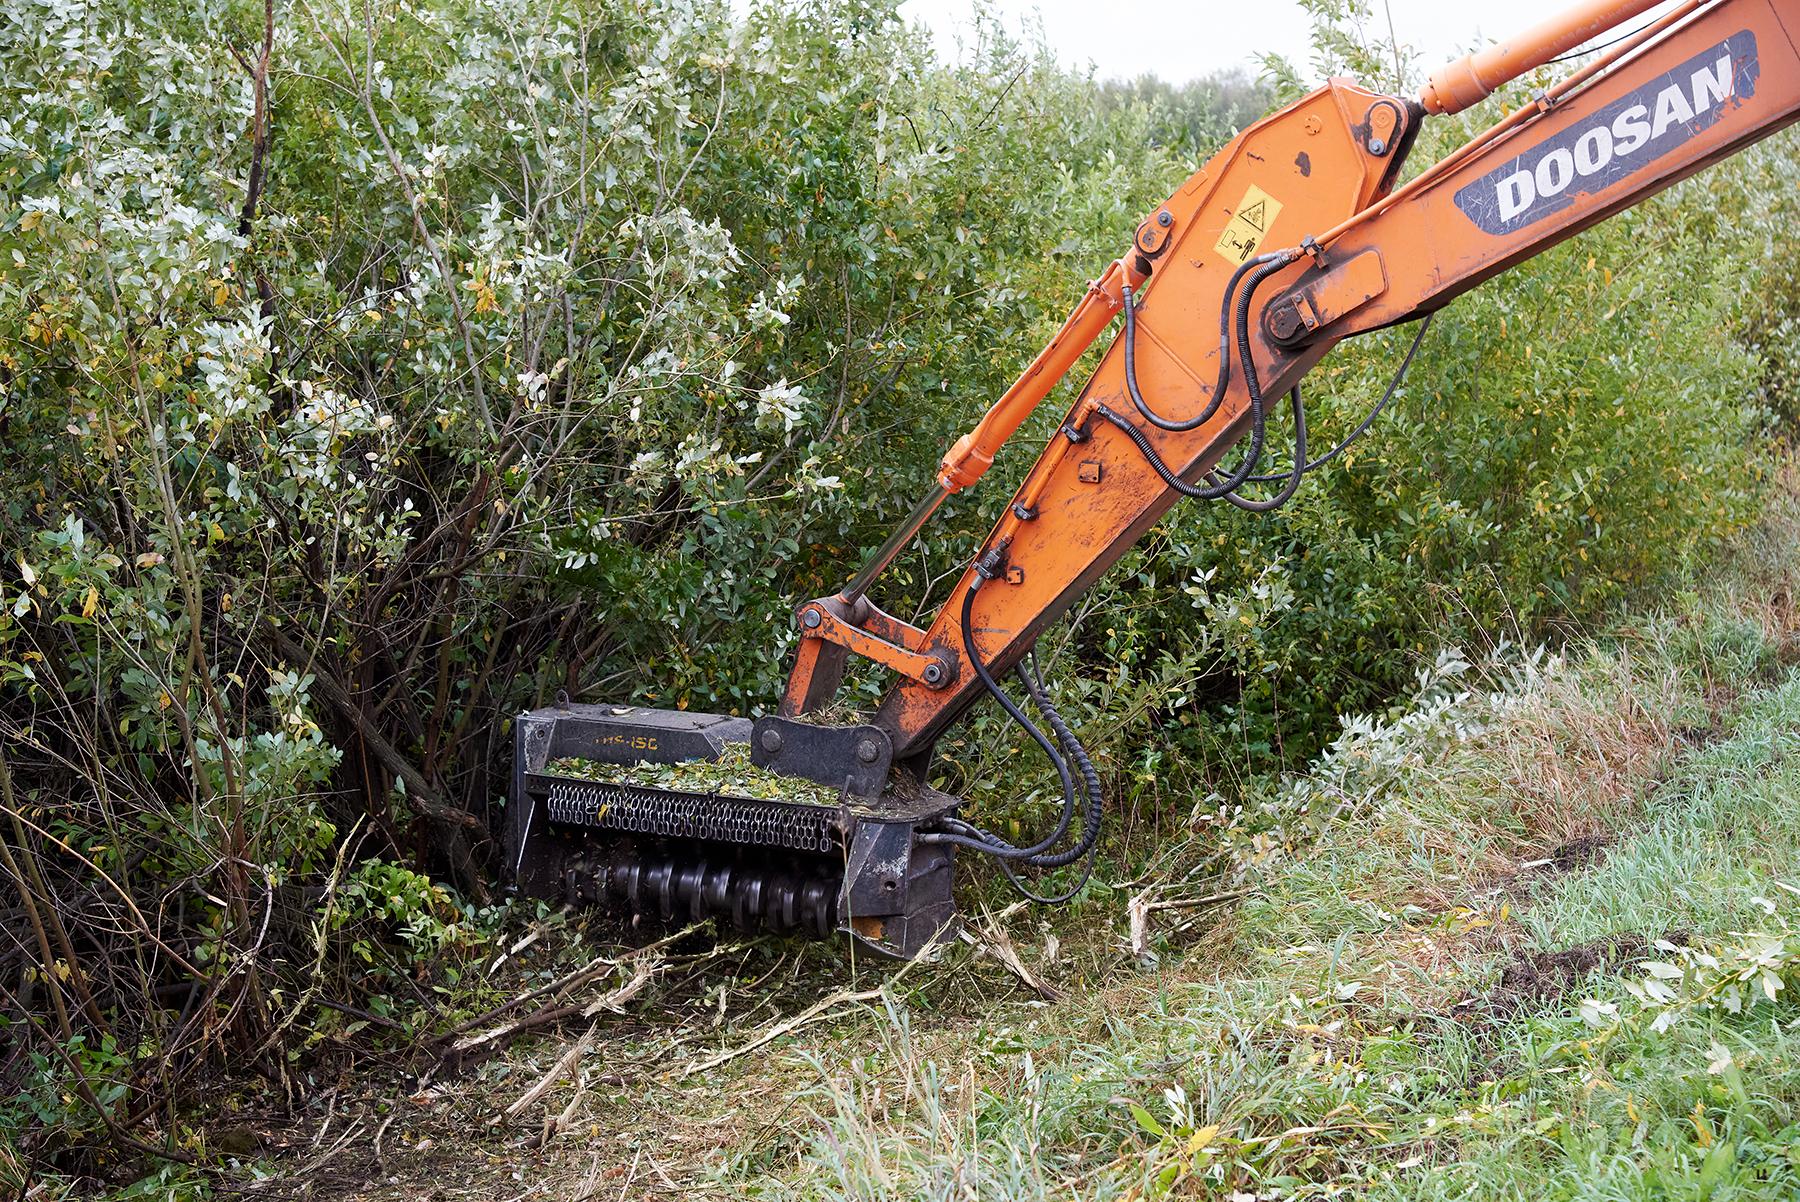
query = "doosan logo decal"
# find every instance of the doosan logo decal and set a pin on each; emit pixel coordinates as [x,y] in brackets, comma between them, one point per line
[1621,138]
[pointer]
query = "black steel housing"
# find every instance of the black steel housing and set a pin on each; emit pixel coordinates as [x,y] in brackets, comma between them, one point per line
[678,856]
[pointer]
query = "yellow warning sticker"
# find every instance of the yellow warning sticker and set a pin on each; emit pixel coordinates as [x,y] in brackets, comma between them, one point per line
[1248,226]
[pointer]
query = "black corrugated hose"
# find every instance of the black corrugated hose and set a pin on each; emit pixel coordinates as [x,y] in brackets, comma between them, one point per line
[1037,855]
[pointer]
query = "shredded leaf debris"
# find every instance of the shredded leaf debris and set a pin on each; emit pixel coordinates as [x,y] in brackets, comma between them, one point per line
[732,774]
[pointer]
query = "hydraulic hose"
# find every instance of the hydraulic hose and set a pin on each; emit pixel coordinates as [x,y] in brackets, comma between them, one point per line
[1253,383]
[981,840]
[1270,264]
[962,834]
[1034,684]
[1368,420]
[1294,476]
[1224,377]
[1053,899]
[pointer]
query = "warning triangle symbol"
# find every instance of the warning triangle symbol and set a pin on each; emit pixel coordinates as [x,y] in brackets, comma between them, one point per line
[1253,216]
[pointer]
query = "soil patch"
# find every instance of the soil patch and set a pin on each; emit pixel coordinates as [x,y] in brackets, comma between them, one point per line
[1536,980]
[1583,851]
[1577,853]
[1532,980]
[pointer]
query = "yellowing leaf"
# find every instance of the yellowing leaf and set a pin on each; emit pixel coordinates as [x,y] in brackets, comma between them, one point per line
[90,602]
[1201,1137]
[221,293]
[31,220]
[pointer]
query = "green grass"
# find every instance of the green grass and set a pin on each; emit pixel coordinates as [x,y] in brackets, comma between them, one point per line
[1389,1013]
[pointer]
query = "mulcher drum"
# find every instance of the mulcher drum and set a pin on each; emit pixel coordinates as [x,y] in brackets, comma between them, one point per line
[677,856]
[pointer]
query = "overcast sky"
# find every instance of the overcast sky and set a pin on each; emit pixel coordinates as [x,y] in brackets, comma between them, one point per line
[1182,39]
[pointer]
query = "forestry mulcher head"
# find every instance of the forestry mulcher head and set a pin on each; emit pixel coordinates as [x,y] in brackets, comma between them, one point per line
[631,842]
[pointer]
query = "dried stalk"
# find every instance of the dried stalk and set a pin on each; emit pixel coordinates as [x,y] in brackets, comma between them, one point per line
[563,1065]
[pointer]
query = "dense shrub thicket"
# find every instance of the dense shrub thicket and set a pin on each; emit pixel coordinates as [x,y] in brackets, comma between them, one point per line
[370,372]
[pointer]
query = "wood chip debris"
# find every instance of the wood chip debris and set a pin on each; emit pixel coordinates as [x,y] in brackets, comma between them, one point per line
[732,774]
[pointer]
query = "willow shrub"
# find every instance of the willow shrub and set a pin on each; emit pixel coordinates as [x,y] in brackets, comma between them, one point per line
[496,349]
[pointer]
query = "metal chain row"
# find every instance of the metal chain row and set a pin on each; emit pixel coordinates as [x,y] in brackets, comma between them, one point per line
[690,816]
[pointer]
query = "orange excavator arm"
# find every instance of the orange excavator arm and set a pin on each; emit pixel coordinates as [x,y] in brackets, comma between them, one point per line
[1290,239]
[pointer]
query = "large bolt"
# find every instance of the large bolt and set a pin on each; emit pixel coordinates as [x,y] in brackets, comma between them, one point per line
[1377,146]
[810,619]
[1165,218]
[771,740]
[866,751]
[934,672]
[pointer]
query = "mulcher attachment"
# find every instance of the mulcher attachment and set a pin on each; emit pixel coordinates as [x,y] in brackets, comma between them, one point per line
[674,856]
